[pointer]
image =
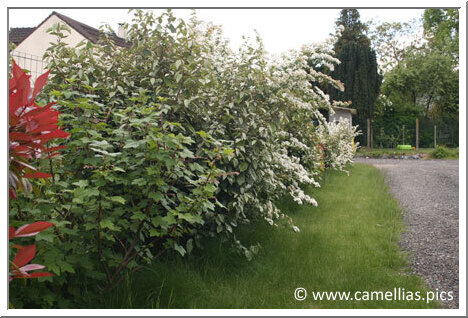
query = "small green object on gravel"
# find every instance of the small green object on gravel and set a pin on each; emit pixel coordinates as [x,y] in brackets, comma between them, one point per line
[404,147]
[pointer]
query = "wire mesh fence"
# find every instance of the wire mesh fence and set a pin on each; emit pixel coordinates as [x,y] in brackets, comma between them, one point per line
[445,132]
[35,65]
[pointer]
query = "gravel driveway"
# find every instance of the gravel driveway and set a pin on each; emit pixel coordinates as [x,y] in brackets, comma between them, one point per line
[428,192]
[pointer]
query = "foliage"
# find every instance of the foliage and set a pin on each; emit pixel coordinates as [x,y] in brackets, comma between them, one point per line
[358,70]
[391,152]
[441,27]
[353,29]
[427,80]
[31,128]
[174,139]
[348,243]
[424,85]
[19,265]
[421,79]
[394,122]
[337,137]
[392,41]
[441,152]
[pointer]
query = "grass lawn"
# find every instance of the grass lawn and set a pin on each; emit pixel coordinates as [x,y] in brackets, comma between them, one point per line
[452,153]
[377,152]
[348,243]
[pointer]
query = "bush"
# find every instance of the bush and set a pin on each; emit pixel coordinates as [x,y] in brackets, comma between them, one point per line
[441,152]
[32,129]
[174,139]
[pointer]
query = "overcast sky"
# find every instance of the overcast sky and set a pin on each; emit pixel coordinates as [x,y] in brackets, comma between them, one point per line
[280,29]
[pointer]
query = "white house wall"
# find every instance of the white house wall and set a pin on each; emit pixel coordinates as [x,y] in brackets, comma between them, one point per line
[340,115]
[28,54]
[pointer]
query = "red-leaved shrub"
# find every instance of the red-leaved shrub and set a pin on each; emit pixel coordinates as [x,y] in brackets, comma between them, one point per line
[31,127]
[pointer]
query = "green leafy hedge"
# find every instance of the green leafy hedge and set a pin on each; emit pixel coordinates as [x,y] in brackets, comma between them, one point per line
[172,139]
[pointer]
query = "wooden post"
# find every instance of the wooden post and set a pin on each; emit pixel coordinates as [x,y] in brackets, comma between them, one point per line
[435,136]
[403,135]
[368,134]
[417,134]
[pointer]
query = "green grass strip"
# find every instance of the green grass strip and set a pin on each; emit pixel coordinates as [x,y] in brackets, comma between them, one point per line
[348,243]
[428,153]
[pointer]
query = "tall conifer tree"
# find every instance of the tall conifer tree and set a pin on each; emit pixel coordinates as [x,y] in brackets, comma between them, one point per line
[358,70]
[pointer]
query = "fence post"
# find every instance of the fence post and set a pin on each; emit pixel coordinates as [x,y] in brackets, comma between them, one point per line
[368,134]
[417,134]
[403,135]
[435,136]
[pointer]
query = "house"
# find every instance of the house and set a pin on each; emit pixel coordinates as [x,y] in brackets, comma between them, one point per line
[342,113]
[32,43]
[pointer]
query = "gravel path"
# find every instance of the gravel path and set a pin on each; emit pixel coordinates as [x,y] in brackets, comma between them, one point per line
[428,192]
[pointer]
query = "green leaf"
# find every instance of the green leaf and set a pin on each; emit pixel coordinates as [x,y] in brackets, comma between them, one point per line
[81,183]
[169,219]
[186,154]
[189,245]
[138,216]
[211,188]
[117,199]
[240,180]
[243,166]
[172,28]
[179,249]
[191,218]
[108,224]
[203,134]
[228,151]
[139,182]
[156,196]
[66,267]
[46,236]
[118,169]
[133,144]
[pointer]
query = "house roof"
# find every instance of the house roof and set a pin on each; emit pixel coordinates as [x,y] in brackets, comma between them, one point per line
[90,33]
[353,111]
[17,35]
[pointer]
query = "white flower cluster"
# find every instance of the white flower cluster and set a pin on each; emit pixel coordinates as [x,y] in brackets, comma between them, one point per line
[292,156]
[294,168]
[338,138]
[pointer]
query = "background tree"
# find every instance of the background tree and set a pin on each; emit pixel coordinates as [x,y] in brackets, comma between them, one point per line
[424,79]
[353,29]
[358,70]
[421,79]
[393,40]
[441,30]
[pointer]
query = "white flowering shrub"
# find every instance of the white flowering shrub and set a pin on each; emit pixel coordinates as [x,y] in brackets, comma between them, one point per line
[338,140]
[263,113]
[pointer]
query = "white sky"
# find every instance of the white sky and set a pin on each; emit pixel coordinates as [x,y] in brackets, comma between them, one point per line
[280,29]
